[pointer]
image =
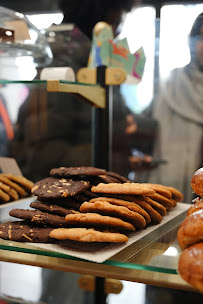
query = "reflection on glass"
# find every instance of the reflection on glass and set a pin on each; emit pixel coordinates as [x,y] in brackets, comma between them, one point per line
[174,50]
[139,28]
[26,39]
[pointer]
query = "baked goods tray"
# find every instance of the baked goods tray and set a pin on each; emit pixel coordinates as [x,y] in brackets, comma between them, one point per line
[95,252]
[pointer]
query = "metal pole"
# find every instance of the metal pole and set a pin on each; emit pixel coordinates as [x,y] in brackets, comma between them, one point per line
[102,127]
[101,153]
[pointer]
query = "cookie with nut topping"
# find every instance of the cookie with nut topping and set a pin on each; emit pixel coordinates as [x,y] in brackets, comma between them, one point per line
[52,208]
[20,231]
[38,217]
[75,171]
[51,187]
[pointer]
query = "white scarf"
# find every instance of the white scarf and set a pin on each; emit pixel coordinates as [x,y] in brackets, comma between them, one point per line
[179,111]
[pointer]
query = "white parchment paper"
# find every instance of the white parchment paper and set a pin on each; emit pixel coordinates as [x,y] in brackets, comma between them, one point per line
[100,252]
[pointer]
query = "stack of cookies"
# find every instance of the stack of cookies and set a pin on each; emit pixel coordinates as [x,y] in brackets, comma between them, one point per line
[14,187]
[89,204]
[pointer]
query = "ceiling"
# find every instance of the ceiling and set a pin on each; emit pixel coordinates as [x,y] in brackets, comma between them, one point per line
[47,5]
[78,12]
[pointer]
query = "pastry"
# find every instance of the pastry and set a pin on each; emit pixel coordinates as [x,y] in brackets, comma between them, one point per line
[87,235]
[131,206]
[98,220]
[191,230]
[155,205]
[197,205]
[125,188]
[190,266]
[160,189]
[197,182]
[139,200]
[166,202]
[105,208]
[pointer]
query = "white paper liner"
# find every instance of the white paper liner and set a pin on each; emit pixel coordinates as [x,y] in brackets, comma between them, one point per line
[100,252]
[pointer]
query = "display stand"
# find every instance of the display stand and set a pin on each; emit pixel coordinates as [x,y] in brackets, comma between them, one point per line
[101,147]
[93,94]
[144,261]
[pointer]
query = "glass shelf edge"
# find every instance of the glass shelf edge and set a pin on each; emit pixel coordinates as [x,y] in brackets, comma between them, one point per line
[108,262]
[4,82]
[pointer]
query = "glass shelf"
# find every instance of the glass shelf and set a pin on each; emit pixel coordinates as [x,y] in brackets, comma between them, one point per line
[36,81]
[93,94]
[151,260]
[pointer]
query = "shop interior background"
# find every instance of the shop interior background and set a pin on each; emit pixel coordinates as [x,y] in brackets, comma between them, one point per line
[141,27]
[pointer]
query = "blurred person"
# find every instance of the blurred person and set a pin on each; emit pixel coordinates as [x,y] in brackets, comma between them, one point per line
[141,132]
[178,109]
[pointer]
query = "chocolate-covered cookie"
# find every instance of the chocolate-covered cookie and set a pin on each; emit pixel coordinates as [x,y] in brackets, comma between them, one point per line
[89,194]
[20,231]
[66,202]
[52,208]
[39,217]
[52,187]
[108,179]
[71,171]
[117,176]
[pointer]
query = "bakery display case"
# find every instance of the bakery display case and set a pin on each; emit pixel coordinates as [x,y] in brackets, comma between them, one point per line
[152,259]
[152,256]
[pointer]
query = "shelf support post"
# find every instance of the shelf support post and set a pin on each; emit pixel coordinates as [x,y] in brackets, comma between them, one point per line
[102,126]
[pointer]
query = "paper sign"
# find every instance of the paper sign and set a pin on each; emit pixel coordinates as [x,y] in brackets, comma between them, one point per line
[9,165]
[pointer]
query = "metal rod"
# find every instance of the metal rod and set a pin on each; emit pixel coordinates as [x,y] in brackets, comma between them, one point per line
[102,127]
[101,153]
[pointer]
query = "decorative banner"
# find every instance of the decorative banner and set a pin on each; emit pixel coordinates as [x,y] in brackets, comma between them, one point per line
[104,51]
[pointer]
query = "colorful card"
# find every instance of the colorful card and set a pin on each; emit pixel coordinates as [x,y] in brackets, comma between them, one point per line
[105,51]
